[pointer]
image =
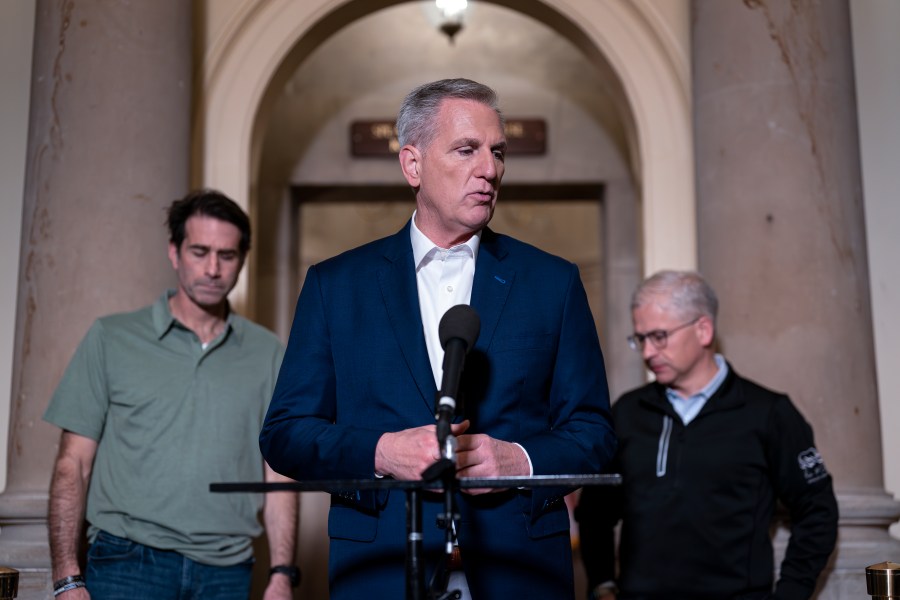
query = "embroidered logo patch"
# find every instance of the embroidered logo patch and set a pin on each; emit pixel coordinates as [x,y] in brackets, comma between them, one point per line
[812,465]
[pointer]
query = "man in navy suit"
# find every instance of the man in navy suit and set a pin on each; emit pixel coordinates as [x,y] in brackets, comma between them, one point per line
[355,395]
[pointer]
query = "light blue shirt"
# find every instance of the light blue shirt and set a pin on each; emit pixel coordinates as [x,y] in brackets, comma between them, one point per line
[689,408]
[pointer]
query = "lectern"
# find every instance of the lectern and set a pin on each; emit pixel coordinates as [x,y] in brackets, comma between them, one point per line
[415,571]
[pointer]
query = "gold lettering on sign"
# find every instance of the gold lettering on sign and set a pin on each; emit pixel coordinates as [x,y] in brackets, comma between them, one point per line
[383,131]
[514,129]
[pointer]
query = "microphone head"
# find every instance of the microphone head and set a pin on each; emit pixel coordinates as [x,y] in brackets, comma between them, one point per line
[461,322]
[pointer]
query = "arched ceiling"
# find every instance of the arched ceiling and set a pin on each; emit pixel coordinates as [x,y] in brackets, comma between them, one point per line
[364,69]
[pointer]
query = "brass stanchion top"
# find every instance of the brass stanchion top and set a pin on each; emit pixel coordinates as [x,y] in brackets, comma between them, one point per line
[9,583]
[883,580]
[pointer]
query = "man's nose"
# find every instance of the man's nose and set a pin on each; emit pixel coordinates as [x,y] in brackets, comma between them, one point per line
[213,266]
[648,350]
[487,164]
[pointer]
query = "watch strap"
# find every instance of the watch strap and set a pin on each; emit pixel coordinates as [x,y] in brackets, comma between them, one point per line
[292,571]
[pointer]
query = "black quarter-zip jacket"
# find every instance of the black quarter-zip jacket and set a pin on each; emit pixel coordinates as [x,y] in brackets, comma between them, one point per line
[697,500]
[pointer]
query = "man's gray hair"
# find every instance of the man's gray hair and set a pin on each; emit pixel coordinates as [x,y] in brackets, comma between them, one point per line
[685,292]
[417,121]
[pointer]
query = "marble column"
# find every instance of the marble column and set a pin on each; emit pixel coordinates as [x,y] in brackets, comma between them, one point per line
[108,150]
[782,239]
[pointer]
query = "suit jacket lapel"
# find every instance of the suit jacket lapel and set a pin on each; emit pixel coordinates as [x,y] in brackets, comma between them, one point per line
[401,299]
[492,284]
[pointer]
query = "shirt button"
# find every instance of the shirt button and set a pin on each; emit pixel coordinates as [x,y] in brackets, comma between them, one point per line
[450,288]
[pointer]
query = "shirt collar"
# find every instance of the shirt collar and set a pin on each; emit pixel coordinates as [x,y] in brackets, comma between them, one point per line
[163,320]
[716,382]
[710,388]
[162,315]
[424,248]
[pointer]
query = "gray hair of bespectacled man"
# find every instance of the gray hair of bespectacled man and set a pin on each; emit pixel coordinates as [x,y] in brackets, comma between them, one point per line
[686,293]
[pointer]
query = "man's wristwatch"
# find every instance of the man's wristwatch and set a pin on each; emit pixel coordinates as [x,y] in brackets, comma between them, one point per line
[291,571]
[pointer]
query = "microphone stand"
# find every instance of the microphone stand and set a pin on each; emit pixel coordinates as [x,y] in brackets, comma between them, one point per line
[444,469]
[457,332]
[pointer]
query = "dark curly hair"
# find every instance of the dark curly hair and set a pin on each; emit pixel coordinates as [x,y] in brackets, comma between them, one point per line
[210,203]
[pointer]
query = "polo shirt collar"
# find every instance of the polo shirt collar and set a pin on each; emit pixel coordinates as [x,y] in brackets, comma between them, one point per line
[163,320]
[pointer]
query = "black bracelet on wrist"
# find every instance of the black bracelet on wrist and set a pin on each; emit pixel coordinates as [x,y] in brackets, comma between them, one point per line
[67,580]
[291,571]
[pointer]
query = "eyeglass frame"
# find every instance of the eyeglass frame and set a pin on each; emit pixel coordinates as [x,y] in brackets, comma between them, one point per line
[636,341]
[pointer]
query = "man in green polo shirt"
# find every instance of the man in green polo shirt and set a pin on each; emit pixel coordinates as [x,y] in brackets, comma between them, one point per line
[156,405]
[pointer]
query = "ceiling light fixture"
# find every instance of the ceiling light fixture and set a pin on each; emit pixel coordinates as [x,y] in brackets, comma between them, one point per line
[451,16]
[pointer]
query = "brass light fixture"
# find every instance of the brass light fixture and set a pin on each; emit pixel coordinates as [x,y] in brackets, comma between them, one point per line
[451,12]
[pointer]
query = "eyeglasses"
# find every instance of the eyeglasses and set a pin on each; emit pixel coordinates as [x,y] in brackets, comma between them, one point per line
[658,337]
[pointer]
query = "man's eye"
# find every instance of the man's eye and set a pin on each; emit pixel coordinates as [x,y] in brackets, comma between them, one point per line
[499,155]
[657,336]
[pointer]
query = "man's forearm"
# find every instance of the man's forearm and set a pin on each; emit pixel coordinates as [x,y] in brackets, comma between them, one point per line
[68,492]
[281,526]
[280,515]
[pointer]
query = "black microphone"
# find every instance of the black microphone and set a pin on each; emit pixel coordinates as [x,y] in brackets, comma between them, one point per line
[457,331]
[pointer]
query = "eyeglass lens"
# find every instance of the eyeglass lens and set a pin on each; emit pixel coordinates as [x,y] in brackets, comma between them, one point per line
[658,337]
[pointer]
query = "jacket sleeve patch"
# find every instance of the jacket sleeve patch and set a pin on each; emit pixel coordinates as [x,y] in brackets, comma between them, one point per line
[812,465]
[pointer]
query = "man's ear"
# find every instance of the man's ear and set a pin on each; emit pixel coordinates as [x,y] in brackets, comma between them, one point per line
[410,164]
[706,331]
[173,255]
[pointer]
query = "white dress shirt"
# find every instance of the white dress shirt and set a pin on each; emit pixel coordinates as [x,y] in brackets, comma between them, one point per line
[444,279]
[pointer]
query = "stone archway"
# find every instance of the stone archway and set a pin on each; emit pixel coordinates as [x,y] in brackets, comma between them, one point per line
[645,50]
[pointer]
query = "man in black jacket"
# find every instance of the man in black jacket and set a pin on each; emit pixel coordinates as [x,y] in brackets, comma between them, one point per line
[704,454]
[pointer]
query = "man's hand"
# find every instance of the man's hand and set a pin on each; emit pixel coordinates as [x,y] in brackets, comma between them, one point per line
[403,455]
[480,455]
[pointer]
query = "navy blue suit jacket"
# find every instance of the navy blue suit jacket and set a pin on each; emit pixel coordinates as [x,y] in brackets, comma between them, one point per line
[356,366]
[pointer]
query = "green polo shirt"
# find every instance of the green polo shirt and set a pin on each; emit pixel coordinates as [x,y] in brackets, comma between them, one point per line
[170,418]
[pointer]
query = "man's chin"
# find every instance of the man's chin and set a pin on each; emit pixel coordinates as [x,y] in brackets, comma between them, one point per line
[209,301]
[663,376]
[481,221]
